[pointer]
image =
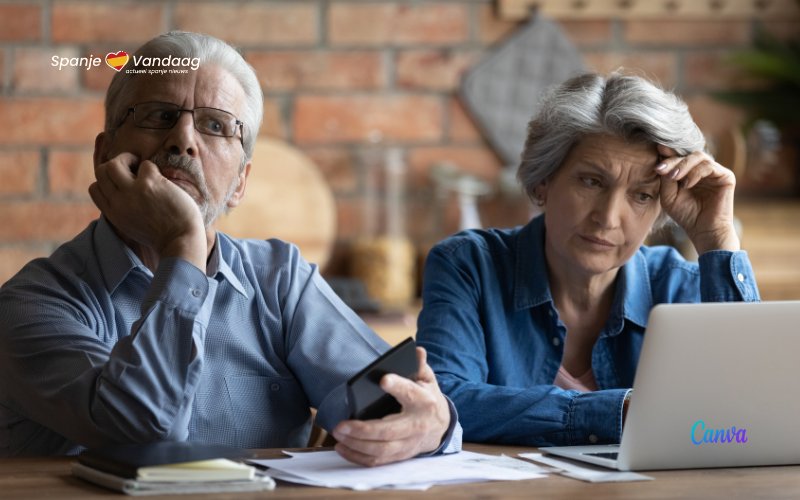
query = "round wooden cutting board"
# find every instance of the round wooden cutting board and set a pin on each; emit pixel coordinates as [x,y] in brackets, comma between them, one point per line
[288,198]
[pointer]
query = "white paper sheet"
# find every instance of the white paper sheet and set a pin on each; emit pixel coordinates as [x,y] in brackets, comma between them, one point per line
[329,469]
[585,472]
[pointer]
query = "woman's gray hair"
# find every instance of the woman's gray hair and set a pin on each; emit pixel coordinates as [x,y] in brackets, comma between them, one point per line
[209,50]
[629,107]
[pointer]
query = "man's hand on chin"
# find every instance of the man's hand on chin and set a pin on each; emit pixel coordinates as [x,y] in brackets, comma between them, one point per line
[149,209]
[418,428]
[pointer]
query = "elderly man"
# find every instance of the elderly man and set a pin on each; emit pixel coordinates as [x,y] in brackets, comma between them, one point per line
[150,325]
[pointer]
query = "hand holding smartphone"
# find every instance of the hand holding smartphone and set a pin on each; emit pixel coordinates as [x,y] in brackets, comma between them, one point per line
[366,398]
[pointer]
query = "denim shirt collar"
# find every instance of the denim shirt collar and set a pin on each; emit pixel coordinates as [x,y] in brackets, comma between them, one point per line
[117,260]
[531,283]
[632,300]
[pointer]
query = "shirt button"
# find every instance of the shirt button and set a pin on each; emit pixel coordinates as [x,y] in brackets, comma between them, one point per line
[593,439]
[740,277]
[196,292]
[550,312]
[275,387]
[556,341]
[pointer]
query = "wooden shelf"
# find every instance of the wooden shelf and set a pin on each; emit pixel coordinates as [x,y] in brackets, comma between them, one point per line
[518,10]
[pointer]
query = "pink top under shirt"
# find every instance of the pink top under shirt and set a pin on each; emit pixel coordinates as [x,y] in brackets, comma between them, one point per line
[584,383]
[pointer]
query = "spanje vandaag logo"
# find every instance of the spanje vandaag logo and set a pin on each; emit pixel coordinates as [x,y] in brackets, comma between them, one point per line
[117,60]
[708,435]
[141,64]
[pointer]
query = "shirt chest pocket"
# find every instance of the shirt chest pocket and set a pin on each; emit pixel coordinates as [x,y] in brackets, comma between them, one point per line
[269,411]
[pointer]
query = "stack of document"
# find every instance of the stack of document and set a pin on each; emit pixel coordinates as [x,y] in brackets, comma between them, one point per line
[169,467]
[329,469]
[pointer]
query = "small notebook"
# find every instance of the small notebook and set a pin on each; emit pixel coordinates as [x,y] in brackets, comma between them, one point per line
[133,487]
[218,469]
[170,467]
[141,461]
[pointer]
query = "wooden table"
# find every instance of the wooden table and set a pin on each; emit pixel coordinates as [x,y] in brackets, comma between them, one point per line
[49,478]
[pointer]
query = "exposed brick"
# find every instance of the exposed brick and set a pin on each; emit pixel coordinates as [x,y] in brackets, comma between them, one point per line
[713,117]
[51,121]
[350,216]
[682,33]
[273,124]
[479,161]
[451,216]
[432,69]
[658,66]
[286,23]
[493,211]
[491,28]
[19,22]
[783,30]
[34,71]
[124,22]
[424,220]
[318,70]
[339,166]
[70,172]
[12,259]
[462,126]
[397,23]
[44,221]
[97,78]
[712,70]
[588,33]
[18,172]
[506,211]
[328,119]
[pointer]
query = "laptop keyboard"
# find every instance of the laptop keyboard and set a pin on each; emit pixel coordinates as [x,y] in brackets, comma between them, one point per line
[610,455]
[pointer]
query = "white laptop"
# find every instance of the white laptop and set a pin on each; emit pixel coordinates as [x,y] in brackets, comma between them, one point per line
[717,385]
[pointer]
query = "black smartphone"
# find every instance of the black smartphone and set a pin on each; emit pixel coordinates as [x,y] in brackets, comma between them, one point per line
[367,400]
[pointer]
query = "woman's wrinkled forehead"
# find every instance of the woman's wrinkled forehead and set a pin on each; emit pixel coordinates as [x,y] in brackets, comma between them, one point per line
[617,156]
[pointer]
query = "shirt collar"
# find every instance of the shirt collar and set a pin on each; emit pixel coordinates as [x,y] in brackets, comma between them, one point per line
[531,283]
[636,296]
[632,300]
[117,260]
[218,265]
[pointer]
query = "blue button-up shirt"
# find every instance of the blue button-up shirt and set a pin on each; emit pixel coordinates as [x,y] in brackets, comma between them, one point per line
[95,349]
[495,340]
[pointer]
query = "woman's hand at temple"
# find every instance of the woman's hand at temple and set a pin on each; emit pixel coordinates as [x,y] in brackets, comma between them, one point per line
[697,192]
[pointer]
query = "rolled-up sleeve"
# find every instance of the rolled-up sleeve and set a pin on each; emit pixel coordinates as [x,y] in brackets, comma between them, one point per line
[727,277]
[54,346]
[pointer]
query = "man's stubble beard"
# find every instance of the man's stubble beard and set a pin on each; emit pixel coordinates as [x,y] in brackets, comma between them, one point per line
[191,167]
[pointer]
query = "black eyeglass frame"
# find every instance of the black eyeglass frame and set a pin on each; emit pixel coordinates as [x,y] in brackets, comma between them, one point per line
[237,122]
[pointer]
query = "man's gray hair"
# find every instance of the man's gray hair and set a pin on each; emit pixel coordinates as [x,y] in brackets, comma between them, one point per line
[209,50]
[629,107]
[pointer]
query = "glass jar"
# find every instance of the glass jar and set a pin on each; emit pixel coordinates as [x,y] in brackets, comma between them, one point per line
[383,257]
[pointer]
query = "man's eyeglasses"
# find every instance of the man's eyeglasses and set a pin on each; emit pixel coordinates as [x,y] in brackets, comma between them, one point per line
[164,115]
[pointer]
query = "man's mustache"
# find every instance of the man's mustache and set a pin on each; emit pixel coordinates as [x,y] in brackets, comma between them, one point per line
[179,162]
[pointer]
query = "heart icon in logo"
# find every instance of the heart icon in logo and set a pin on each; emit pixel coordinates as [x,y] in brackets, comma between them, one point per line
[117,60]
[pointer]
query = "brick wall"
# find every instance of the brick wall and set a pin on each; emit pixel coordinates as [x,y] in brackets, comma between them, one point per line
[337,75]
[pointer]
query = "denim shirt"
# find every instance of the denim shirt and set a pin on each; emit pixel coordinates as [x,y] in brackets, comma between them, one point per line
[95,349]
[495,340]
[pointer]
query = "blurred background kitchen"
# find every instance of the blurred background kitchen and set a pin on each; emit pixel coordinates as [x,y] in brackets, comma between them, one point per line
[390,125]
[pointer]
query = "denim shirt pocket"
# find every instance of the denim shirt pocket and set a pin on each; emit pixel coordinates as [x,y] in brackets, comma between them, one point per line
[270,411]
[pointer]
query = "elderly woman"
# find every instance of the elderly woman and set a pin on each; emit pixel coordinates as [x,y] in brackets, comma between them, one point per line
[535,332]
